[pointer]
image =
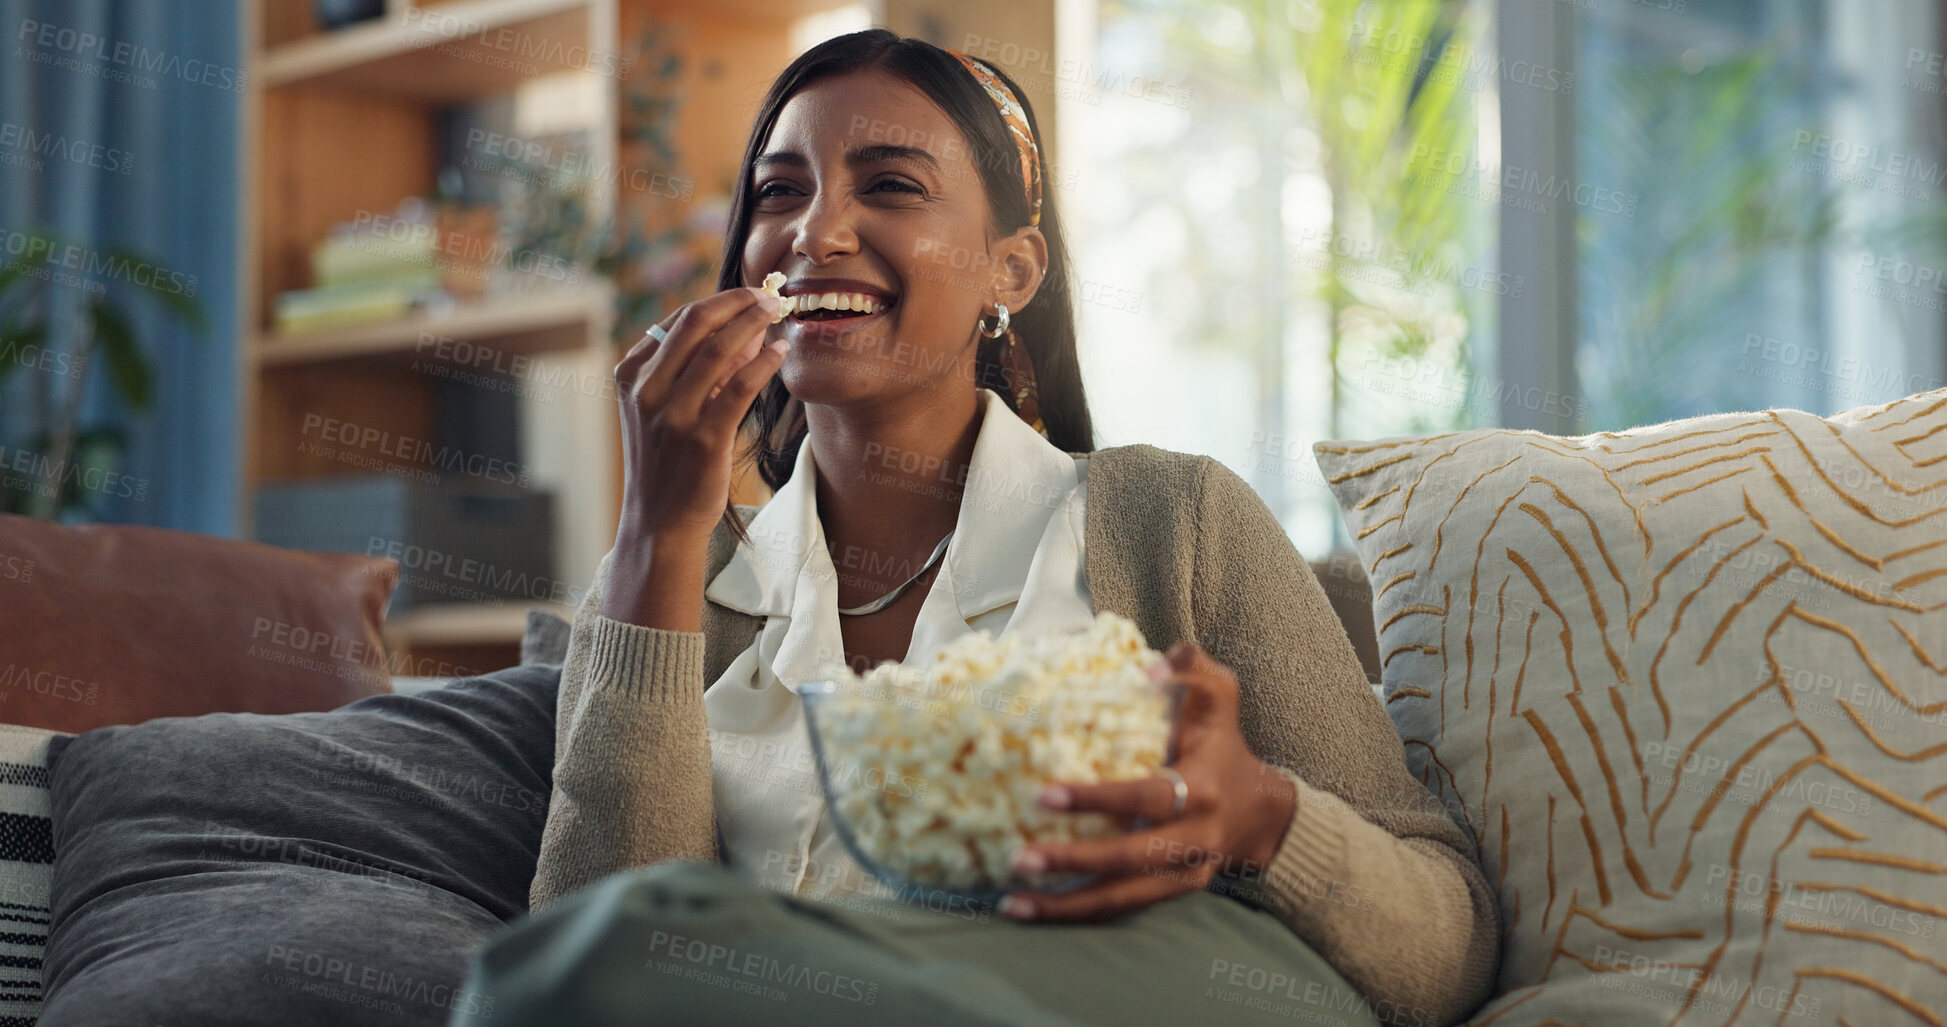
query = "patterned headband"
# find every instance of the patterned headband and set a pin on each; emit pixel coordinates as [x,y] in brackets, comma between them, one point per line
[1017,123]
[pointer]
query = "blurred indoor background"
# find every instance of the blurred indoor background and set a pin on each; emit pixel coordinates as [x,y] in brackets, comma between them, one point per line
[354,273]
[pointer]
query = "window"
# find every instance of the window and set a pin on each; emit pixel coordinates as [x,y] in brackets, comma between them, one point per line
[1359,218]
[1785,249]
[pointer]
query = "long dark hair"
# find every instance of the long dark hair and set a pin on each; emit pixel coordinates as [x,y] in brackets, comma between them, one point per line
[776,425]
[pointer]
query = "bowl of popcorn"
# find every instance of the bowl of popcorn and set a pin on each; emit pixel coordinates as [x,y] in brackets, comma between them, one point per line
[932,775]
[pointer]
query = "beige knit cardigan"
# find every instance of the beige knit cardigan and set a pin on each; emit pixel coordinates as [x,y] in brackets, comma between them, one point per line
[1372,874]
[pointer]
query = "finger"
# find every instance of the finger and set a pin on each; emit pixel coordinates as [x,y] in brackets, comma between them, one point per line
[694,325]
[1174,846]
[1190,660]
[638,354]
[743,358]
[645,347]
[726,409]
[1188,656]
[1210,689]
[1097,901]
[1152,798]
[722,354]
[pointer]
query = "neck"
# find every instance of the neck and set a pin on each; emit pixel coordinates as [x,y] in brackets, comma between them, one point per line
[890,477]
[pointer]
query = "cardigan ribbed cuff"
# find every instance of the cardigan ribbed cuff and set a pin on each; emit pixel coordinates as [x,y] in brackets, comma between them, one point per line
[1307,873]
[644,663]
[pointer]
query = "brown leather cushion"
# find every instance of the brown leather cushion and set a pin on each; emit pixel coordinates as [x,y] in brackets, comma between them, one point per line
[116,624]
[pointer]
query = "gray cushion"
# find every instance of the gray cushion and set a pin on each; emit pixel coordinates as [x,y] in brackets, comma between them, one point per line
[546,639]
[304,869]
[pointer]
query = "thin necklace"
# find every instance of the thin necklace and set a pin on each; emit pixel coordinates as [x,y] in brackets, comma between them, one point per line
[885,600]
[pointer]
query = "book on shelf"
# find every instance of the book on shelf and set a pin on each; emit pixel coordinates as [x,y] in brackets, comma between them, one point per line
[302,311]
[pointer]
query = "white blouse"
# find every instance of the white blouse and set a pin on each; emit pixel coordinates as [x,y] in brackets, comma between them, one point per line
[1016,560]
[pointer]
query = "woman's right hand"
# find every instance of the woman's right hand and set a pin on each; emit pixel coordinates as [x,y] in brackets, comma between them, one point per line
[681,401]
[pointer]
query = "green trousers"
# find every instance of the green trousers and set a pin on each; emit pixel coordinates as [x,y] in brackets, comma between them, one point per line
[694,943]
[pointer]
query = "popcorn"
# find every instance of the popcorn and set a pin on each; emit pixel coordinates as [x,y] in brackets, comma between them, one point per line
[981,731]
[786,304]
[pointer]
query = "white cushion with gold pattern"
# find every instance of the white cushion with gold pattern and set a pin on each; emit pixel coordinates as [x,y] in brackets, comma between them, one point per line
[1687,686]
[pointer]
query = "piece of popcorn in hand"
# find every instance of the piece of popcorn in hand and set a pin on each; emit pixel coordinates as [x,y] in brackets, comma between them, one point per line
[786,304]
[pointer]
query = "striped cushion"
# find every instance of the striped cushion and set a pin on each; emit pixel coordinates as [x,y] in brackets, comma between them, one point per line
[1687,686]
[26,869]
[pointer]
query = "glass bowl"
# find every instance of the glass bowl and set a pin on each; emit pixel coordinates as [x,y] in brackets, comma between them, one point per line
[933,795]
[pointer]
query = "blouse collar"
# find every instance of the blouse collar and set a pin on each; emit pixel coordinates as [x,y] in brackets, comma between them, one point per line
[1014,482]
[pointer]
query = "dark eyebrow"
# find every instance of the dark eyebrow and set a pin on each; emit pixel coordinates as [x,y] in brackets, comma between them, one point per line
[877,154]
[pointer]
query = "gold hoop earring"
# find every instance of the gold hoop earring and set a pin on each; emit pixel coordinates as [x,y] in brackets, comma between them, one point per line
[1000,327]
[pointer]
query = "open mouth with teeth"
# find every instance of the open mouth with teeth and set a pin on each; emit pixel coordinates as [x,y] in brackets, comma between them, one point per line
[825,307]
[836,306]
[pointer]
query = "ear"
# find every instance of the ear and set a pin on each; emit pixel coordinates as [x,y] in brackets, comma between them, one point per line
[1020,263]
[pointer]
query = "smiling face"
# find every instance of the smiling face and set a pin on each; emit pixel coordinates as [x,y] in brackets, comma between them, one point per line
[865,186]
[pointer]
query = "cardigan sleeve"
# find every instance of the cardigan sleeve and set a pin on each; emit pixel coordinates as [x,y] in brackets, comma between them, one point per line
[1373,873]
[632,782]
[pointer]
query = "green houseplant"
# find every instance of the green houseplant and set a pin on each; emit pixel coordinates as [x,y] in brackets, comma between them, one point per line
[56,324]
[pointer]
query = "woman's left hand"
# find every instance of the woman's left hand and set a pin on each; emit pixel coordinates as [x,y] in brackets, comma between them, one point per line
[1237,813]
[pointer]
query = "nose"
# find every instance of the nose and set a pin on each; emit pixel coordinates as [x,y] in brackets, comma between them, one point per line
[825,228]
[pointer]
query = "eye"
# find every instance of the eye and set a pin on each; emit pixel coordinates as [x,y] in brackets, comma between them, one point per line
[898,184]
[770,188]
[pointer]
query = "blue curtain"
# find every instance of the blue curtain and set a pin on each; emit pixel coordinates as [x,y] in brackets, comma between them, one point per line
[119,128]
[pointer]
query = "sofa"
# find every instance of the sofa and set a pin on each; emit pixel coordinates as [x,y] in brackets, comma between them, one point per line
[1684,685]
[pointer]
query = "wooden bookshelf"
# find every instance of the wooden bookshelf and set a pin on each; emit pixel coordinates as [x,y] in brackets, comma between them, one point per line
[445,53]
[346,122]
[540,322]
[461,639]
[467,624]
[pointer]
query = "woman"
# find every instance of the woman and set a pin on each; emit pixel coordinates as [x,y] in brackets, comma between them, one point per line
[1293,852]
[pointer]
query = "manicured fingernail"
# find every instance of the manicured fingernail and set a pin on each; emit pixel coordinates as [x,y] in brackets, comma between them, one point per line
[783,346]
[1030,862]
[1158,672]
[1056,797]
[1018,908]
[767,301]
